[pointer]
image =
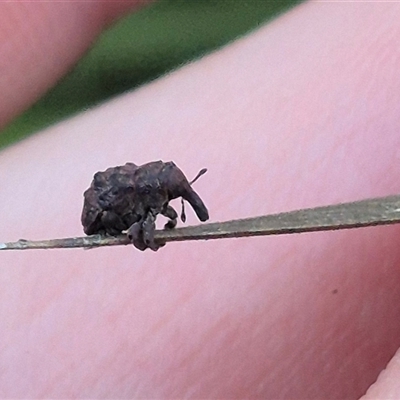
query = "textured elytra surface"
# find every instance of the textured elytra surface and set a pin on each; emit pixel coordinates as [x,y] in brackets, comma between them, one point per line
[129,198]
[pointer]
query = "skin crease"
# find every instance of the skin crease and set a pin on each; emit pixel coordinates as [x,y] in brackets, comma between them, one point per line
[303,112]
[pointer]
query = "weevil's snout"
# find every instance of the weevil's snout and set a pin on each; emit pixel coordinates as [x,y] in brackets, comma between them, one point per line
[198,206]
[202,213]
[195,200]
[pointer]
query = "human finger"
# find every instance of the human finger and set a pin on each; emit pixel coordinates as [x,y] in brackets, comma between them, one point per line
[308,316]
[41,41]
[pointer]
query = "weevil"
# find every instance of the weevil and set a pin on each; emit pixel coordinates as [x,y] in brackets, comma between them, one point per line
[129,198]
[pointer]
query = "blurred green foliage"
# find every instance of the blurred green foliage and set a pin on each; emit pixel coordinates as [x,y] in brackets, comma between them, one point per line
[142,47]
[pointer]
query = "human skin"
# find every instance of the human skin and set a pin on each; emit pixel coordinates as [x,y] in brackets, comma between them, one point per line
[303,112]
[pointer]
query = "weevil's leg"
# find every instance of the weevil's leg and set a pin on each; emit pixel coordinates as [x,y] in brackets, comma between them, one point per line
[170,213]
[129,219]
[135,234]
[112,223]
[148,229]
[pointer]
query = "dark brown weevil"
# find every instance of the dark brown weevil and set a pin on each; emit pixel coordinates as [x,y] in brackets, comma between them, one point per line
[129,197]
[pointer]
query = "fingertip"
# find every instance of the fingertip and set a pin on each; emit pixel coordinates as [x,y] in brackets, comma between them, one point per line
[41,41]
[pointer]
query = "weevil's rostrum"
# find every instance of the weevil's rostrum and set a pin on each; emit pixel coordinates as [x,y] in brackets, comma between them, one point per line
[129,197]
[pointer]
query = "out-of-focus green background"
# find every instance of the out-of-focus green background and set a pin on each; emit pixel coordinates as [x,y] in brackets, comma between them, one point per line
[141,47]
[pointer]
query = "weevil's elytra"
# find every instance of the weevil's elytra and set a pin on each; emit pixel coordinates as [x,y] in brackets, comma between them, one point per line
[129,198]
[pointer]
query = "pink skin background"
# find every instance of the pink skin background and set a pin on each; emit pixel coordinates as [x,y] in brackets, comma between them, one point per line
[302,112]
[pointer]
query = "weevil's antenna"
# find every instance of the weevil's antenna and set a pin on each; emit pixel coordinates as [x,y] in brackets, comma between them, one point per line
[201,172]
